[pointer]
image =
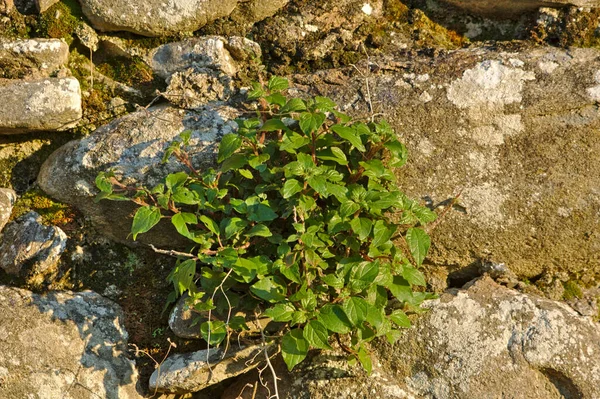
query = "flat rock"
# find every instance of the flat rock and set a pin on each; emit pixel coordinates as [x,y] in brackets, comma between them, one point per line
[63,345]
[200,52]
[7,200]
[191,372]
[32,58]
[508,8]
[132,146]
[154,17]
[31,250]
[40,105]
[514,132]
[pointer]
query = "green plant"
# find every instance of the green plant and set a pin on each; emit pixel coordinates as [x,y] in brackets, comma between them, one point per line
[295,224]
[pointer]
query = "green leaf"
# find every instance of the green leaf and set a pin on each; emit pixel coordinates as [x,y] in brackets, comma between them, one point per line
[259,230]
[348,208]
[400,318]
[271,288]
[413,276]
[246,173]
[290,188]
[334,319]
[418,242]
[324,104]
[293,105]
[217,330]
[232,226]
[256,91]
[349,134]
[261,213]
[362,227]
[382,232]
[145,218]
[281,312]
[337,191]
[175,180]
[181,220]
[183,275]
[356,309]
[334,281]
[398,152]
[278,84]
[103,183]
[364,358]
[230,143]
[363,275]
[294,348]
[276,98]
[183,195]
[272,125]
[246,269]
[333,154]
[316,334]
[319,184]
[234,162]
[210,224]
[311,122]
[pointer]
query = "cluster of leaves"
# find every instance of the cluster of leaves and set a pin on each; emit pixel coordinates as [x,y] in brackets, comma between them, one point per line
[295,223]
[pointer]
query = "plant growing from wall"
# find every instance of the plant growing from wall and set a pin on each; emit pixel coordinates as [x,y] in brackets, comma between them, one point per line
[301,221]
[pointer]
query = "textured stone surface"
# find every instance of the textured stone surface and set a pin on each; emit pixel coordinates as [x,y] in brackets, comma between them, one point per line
[40,105]
[31,250]
[196,87]
[201,52]
[514,131]
[63,345]
[6,6]
[43,5]
[155,17]
[191,372]
[32,58]
[256,10]
[506,8]
[486,341]
[133,147]
[7,200]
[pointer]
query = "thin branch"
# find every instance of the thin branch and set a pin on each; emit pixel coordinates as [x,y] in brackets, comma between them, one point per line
[267,359]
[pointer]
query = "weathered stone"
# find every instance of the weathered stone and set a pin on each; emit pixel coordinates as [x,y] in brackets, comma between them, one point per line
[40,105]
[196,87]
[515,132]
[31,250]
[63,345]
[200,52]
[7,200]
[43,5]
[155,17]
[6,6]
[133,147]
[32,58]
[191,372]
[242,49]
[509,8]
[256,10]
[87,36]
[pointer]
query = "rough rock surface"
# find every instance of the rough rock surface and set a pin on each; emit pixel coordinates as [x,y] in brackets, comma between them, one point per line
[63,345]
[155,17]
[32,58]
[514,131]
[43,5]
[31,250]
[256,10]
[201,52]
[191,372]
[6,6]
[196,87]
[507,8]
[40,105]
[7,200]
[133,147]
[486,341]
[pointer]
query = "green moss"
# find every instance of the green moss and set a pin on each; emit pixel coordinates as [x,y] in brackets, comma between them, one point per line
[129,71]
[427,33]
[52,212]
[60,21]
[572,290]
[16,25]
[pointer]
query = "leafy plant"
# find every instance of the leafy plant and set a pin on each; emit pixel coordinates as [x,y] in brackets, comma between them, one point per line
[295,223]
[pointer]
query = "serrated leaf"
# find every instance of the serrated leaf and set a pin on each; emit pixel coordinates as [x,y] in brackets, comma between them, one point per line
[382,232]
[175,180]
[418,242]
[398,152]
[334,319]
[364,358]
[230,143]
[348,208]
[349,134]
[294,348]
[317,335]
[281,312]
[334,281]
[413,276]
[319,184]
[362,227]
[272,125]
[277,83]
[290,188]
[145,218]
[324,103]
[311,122]
[333,154]
[293,105]
[355,309]
[103,183]
[400,318]
[270,288]
[363,275]
[276,98]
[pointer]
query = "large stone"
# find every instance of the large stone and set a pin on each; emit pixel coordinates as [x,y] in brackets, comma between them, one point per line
[6,6]
[133,147]
[63,345]
[256,10]
[32,58]
[31,250]
[196,87]
[486,341]
[7,200]
[154,17]
[514,131]
[510,8]
[40,105]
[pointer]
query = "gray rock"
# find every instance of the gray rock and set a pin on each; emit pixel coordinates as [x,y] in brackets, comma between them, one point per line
[155,17]
[40,105]
[200,52]
[133,147]
[7,200]
[32,58]
[87,36]
[513,131]
[31,250]
[508,8]
[196,87]
[191,372]
[63,345]
[43,5]
[242,49]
